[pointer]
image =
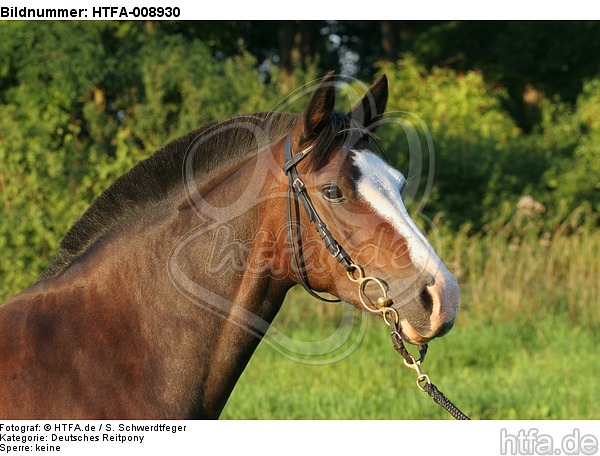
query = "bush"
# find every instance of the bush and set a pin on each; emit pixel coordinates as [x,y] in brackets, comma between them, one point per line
[482,160]
[480,155]
[70,128]
[574,175]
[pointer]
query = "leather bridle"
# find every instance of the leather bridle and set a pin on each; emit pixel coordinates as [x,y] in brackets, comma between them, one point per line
[383,305]
[296,185]
[296,191]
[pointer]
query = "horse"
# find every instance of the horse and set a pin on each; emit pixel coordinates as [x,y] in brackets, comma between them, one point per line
[137,316]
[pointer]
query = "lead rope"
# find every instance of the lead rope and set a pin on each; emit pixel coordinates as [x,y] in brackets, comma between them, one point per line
[424,383]
[392,319]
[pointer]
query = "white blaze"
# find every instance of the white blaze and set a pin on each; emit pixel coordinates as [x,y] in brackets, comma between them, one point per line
[380,186]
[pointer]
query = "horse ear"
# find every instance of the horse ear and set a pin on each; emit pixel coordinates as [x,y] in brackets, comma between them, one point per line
[372,106]
[317,113]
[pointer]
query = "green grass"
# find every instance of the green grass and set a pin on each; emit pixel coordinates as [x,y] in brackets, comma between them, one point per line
[496,370]
[525,344]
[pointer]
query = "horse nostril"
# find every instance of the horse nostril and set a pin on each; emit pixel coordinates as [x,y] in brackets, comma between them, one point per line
[426,300]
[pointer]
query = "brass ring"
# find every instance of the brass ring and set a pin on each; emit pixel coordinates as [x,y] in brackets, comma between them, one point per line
[363,295]
[350,272]
[385,311]
[423,378]
[367,303]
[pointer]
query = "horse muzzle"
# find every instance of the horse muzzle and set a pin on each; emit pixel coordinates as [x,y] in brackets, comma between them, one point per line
[432,311]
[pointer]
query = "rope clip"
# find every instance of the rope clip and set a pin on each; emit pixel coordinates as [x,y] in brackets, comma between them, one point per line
[422,378]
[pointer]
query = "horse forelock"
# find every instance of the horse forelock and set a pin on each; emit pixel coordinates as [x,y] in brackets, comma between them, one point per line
[342,132]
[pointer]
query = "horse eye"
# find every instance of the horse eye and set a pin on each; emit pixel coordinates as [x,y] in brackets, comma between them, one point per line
[333,193]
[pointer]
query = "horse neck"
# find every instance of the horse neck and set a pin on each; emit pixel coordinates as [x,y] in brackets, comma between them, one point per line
[233,269]
[198,325]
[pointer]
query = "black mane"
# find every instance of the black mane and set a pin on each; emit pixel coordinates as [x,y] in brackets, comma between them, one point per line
[158,176]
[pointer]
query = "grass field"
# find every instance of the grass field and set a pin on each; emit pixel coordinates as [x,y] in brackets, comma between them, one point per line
[525,344]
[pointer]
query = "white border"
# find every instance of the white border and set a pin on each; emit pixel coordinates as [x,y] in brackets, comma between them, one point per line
[346,10]
[348,438]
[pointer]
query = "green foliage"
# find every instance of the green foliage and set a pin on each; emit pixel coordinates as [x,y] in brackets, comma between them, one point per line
[81,104]
[574,174]
[528,265]
[490,371]
[553,56]
[479,154]
[482,160]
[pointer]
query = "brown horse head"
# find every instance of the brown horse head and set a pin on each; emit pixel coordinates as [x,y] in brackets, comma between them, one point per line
[360,197]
